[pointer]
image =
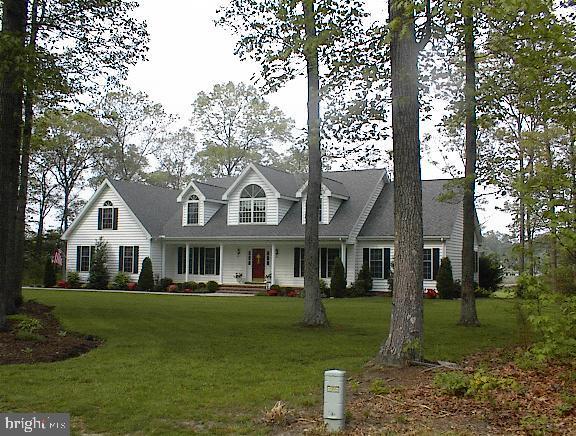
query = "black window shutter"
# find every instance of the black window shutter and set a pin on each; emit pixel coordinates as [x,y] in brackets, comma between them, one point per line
[196,259]
[386,263]
[190,260]
[99,218]
[217,267]
[202,257]
[136,260]
[180,259]
[296,262]
[366,256]
[78,255]
[435,262]
[121,258]
[115,219]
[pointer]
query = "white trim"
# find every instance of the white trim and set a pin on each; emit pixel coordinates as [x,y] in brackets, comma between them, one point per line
[251,166]
[187,261]
[273,265]
[91,202]
[201,196]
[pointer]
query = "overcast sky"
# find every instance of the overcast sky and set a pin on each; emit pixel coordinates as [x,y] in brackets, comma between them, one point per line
[189,54]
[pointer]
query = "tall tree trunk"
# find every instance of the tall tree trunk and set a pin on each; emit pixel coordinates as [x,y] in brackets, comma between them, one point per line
[314,313]
[468,315]
[530,220]
[405,338]
[14,14]
[553,236]
[18,258]
[521,205]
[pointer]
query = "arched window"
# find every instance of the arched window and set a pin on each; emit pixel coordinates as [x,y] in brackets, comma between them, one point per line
[192,209]
[253,204]
[108,216]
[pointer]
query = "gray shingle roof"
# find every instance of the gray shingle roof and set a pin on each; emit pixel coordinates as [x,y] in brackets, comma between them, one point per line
[285,183]
[209,191]
[153,206]
[438,216]
[160,214]
[355,182]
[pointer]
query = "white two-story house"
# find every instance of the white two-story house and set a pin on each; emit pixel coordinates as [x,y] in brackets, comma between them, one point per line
[250,228]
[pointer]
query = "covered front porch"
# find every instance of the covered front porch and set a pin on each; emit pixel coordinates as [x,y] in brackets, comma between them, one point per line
[239,262]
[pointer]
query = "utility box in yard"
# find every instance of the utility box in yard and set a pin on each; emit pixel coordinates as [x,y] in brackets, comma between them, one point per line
[335,399]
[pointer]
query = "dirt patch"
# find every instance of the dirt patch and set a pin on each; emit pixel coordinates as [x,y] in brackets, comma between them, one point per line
[49,342]
[406,401]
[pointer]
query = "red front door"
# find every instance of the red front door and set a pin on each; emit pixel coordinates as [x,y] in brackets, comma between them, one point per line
[258,264]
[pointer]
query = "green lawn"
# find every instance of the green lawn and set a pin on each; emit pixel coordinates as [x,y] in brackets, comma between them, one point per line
[171,363]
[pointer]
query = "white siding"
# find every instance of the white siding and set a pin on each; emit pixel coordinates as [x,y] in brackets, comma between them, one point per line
[210,209]
[283,208]
[454,247]
[129,233]
[382,284]
[156,258]
[332,207]
[252,177]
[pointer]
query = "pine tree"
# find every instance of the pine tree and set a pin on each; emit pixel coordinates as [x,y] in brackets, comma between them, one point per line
[98,278]
[445,280]
[364,280]
[146,279]
[338,280]
[49,274]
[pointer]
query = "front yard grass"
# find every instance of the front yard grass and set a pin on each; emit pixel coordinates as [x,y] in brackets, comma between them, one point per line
[176,365]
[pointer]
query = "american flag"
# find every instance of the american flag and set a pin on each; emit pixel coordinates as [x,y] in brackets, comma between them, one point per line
[57,257]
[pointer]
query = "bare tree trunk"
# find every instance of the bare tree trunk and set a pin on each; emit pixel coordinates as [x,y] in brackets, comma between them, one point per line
[521,206]
[468,315]
[552,238]
[405,337]
[14,15]
[314,313]
[530,220]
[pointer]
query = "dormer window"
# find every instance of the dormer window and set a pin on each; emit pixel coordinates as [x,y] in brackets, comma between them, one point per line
[252,205]
[108,216]
[192,209]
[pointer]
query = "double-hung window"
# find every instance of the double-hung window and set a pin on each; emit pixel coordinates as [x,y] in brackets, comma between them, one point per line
[128,259]
[252,205]
[431,263]
[192,212]
[108,216]
[327,258]
[84,256]
[298,262]
[378,261]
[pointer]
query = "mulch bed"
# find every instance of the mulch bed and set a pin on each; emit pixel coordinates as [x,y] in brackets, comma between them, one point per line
[543,401]
[55,343]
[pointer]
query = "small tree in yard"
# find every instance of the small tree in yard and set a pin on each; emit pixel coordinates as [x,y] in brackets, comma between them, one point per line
[98,278]
[146,279]
[490,272]
[49,274]
[338,280]
[445,280]
[364,280]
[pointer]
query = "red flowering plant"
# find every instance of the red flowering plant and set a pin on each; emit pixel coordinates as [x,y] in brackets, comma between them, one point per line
[430,293]
[272,292]
[62,284]
[131,286]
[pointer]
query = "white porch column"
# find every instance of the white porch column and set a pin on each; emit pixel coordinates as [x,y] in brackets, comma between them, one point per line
[221,263]
[163,260]
[187,261]
[273,265]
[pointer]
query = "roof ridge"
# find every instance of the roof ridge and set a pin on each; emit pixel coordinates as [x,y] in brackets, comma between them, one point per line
[144,185]
[209,184]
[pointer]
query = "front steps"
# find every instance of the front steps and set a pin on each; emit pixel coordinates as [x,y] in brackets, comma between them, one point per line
[244,288]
